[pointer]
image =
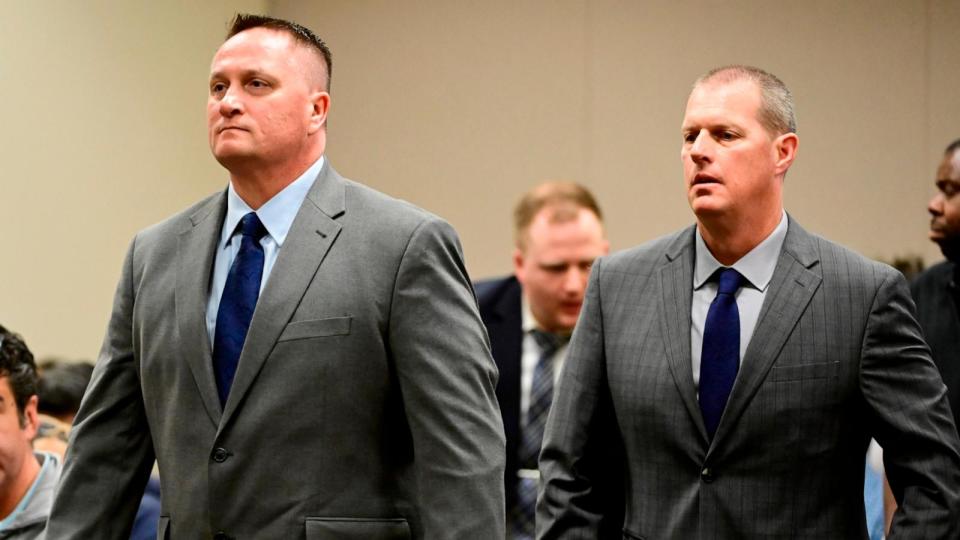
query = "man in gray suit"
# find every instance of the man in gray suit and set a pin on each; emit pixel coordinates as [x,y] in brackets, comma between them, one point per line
[302,354]
[741,365]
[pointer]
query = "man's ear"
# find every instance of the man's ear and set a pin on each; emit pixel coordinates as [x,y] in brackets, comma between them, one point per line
[786,147]
[320,107]
[518,269]
[28,418]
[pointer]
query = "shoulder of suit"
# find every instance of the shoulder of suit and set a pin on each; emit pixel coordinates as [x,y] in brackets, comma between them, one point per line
[651,253]
[491,290]
[389,210]
[172,226]
[933,279]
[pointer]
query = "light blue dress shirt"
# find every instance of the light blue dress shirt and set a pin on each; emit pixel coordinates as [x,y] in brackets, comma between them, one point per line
[277,216]
[757,267]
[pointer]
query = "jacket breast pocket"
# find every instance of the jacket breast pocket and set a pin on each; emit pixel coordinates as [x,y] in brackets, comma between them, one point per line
[819,370]
[333,326]
[357,529]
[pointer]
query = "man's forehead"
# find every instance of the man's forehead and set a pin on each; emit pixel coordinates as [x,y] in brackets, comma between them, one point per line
[950,167]
[256,41]
[723,97]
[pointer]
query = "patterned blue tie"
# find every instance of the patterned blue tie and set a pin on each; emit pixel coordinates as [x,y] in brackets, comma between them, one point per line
[531,436]
[720,357]
[237,303]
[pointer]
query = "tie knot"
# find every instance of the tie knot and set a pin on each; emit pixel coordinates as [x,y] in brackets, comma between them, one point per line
[549,342]
[251,226]
[729,281]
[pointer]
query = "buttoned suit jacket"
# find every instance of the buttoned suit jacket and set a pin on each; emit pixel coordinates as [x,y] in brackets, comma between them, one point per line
[836,357]
[363,404]
[937,298]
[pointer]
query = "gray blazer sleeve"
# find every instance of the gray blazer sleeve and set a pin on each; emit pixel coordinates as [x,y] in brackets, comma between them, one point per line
[914,424]
[110,453]
[447,380]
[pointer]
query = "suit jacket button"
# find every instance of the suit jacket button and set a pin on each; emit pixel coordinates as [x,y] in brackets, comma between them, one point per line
[707,475]
[220,455]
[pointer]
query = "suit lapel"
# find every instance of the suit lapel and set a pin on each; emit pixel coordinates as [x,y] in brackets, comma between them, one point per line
[313,232]
[676,296]
[195,254]
[793,284]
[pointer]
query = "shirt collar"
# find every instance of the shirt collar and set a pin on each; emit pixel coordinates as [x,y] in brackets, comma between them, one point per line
[757,266]
[277,214]
[528,322]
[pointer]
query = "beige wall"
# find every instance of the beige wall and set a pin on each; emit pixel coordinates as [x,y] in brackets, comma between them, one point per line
[460,107]
[103,133]
[457,107]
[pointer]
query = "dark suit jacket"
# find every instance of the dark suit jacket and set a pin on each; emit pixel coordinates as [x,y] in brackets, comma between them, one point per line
[836,357]
[937,294]
[363,405]
[499,301]
[500,308]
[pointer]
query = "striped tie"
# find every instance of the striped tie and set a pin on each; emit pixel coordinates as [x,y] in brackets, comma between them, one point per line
[541,395]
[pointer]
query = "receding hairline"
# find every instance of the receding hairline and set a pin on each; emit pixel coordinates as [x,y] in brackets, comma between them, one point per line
[776,109]
[243,22]
[563,199]
[317,71]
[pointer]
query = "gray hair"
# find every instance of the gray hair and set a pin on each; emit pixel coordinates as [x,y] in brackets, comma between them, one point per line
[776,103]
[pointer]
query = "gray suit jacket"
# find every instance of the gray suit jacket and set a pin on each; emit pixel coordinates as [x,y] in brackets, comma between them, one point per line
[363,405]
[836,358]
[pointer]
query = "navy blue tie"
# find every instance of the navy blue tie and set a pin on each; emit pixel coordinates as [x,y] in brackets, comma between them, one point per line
[237,303]
[720,357]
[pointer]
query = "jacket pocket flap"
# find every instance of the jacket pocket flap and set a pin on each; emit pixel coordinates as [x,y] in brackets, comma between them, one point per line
[820,370]
[333,326]
[357,529]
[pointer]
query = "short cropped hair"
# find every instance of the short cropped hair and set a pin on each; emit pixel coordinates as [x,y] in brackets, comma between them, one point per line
[302,34]
[776,102]
[17,365]
[565,199]
[952,147]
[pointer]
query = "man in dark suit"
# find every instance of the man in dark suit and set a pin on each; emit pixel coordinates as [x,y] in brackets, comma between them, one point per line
[744,363]
[302,354]
[558,233]
[937,290]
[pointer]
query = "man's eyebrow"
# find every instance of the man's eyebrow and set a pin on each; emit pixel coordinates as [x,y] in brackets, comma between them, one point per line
[244,73]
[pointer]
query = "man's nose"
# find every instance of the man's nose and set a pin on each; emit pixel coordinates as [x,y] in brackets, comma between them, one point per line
[700,148]
[575,280]
[935,206]
[230,103]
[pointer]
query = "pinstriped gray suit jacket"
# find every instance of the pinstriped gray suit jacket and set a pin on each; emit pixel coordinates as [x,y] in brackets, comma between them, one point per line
[836,358]
[363,404]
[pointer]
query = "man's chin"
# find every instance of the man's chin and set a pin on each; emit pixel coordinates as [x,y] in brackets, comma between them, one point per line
[950,247]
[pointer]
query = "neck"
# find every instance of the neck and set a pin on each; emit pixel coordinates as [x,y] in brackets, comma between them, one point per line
[729,240]
[11,495]
[257,183]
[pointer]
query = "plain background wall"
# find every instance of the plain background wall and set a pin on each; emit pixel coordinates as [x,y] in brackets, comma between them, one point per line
[103,133]
[458,107]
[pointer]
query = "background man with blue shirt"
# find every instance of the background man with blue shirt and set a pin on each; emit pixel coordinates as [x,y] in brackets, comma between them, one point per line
[743,364]
[302,354]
